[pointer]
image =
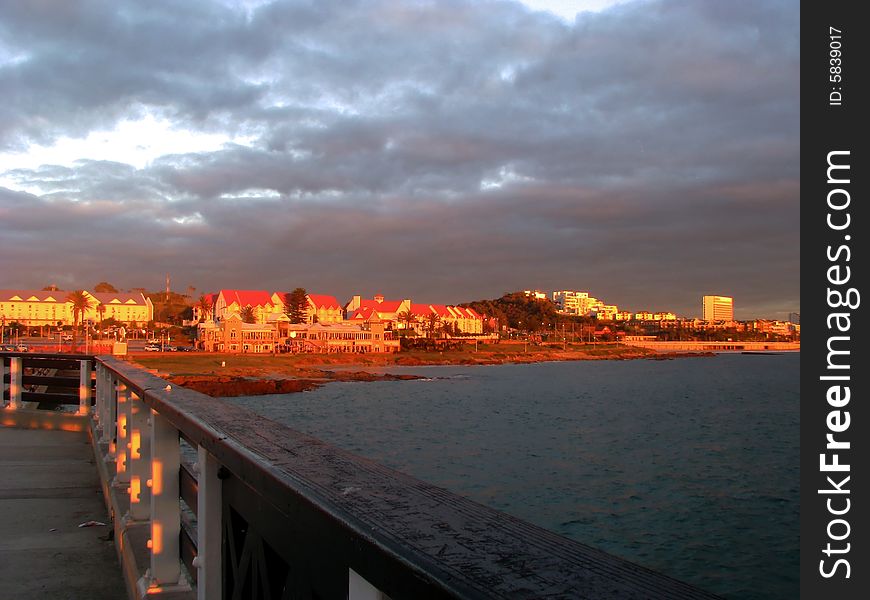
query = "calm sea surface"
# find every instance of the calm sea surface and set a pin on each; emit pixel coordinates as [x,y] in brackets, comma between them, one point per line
[687,466]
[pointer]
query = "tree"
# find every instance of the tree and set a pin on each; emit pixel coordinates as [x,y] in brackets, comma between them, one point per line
[248,315]
[408,318]
[296,305]
[81,303]
[204,306]
[105,287]
[101,310]
[433,324]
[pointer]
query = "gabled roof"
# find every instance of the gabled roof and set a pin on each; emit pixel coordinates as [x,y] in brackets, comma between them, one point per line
[247,297]
[324,301]
[362,314]
[421,310]
[386,306]
[119,298]
[33,296]
[441,310]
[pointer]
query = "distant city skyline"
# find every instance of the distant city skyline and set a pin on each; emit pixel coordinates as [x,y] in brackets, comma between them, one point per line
[715,308]
[451,151]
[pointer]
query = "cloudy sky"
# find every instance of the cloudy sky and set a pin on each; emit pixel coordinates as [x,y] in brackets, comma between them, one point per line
[446,150]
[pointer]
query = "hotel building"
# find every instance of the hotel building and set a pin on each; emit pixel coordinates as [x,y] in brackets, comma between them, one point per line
[39,308]
[717,308]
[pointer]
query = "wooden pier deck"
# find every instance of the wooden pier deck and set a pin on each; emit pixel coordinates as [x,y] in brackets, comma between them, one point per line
[48,487]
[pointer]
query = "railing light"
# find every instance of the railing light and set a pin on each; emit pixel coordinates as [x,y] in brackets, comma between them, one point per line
[135,490]
[156,481]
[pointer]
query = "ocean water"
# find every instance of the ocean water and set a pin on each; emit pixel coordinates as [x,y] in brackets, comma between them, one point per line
[687,466]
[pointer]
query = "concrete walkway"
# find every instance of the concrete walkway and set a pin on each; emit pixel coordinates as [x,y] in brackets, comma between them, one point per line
[48,486]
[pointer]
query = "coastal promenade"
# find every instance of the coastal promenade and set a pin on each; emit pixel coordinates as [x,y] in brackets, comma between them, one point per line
[207,500]
[727,346]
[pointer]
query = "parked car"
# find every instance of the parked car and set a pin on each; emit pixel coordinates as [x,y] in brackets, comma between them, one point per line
[67,337]
[152,347]
[170,348]
[186,348]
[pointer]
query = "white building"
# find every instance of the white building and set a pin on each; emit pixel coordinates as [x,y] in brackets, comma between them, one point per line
[717,308]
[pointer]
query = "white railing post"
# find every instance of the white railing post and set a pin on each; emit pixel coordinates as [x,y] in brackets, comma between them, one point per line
[84,387]
[140,459]
[105,400]
[100,402]
[122,453]
[165,508]
[208,531]
[111,431]
[15,370]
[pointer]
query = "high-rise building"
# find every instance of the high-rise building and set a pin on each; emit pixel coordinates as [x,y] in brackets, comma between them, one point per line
[576,303]
[795,318]
[717,308]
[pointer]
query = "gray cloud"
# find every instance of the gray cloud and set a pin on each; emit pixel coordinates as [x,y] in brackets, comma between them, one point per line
[446,151]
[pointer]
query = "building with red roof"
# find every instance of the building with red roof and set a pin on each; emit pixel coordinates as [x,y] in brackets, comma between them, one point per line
[452,319]
[322,308]
[386,310]
[233,301]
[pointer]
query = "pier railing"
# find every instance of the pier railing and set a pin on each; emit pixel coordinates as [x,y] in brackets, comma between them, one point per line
[213,501]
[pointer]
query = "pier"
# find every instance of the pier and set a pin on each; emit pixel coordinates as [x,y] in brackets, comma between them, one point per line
[204,499]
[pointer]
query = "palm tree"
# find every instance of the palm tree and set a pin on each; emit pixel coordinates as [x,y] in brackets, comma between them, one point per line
[204,305]
[81,303]
[407,318]
[433,322]
[101,310]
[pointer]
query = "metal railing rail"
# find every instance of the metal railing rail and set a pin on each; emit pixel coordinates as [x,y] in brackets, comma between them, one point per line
[268,512]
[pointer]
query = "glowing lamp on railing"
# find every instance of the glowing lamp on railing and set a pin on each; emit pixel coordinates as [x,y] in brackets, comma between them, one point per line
[156,541]
[136,444]
[156,481]
[135,489]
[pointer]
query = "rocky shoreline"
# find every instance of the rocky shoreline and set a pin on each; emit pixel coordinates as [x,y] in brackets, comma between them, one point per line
[249,376]
[228,385]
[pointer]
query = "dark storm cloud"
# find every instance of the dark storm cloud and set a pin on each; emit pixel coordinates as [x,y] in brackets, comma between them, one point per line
[445,151]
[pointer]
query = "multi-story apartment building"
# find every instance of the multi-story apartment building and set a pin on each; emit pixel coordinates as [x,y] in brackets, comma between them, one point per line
[229,302]
[605,312]
[37,308]
[367,336]
[573,302]
[231,334]
[717,308]
[569,301]
[129,308]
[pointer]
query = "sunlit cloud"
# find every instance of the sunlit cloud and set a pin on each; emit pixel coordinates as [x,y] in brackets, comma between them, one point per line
[568,9]
[441,150]
[135,142]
